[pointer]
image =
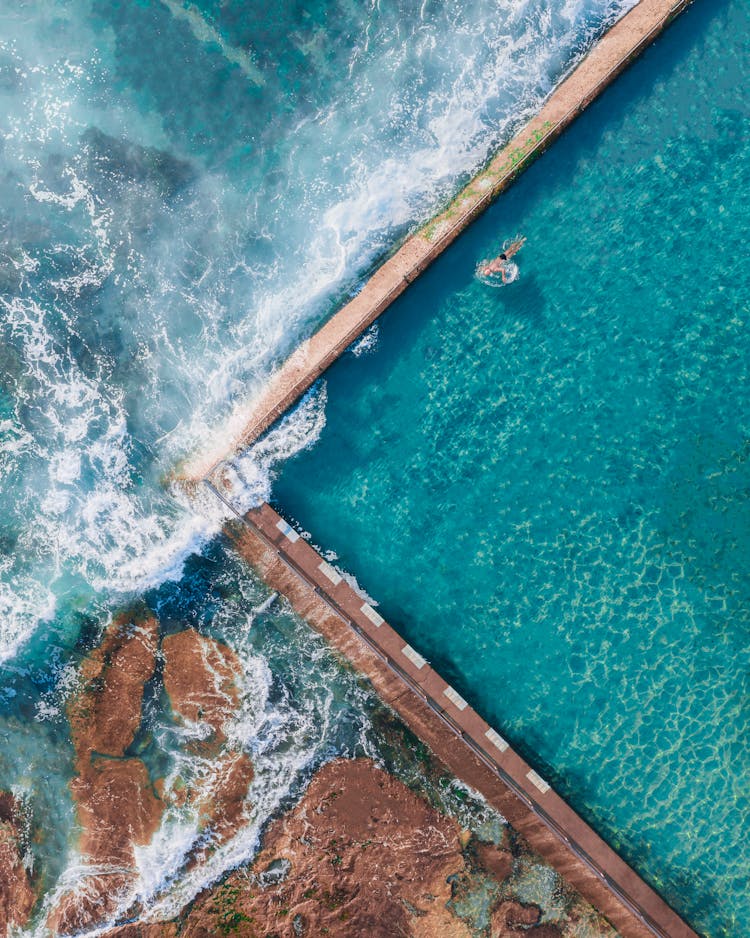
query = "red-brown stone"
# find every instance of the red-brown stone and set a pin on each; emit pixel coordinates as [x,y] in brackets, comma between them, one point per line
[492,859]
[116,803]
[201,677]
[16,892]
[106,712]
[159,930]
[365,855]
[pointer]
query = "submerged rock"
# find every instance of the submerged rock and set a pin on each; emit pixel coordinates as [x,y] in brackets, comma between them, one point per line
[122,159]
[16,892]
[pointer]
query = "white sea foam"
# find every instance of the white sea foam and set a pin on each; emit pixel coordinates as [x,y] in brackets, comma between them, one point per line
[77,504]
[440,138]
[250,475]
[367,342]
[77,501]
[24,602]
[283,738]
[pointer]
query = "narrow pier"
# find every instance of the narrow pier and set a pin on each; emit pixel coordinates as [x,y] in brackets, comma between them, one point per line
[469,746]
[609,57]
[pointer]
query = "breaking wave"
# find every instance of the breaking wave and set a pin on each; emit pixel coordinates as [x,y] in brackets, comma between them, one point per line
[158,263]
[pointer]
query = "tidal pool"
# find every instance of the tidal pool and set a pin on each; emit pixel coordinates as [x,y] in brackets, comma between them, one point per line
[545,485]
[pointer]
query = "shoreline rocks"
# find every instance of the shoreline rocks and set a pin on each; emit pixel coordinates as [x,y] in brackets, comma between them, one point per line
[363,854]
[16,892]
[360,854]
[117,806]
[202,680]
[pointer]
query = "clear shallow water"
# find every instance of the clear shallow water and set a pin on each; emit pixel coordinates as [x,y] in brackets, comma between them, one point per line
[546,485]
[185,191]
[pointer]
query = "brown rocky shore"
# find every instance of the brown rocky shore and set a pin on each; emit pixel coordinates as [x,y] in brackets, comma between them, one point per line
[363,855]
[364,851]
[16,890]
[119,803]
[117,806]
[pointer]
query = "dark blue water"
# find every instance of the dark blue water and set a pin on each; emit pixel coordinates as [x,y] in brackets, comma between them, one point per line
[546,485]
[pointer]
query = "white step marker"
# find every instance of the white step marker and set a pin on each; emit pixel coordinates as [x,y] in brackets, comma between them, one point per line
[455,698]
[537,780]
[497,740]
[326,569]
[372,615]
[287,530]
[416,659]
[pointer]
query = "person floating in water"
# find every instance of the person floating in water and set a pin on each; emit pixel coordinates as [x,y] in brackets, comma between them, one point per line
[501,264]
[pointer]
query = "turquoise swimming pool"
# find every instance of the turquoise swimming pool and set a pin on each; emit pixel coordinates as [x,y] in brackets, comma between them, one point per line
[546,485]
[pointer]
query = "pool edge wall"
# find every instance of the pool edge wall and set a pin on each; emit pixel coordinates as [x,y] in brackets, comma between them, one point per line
[459,737]
[608,58]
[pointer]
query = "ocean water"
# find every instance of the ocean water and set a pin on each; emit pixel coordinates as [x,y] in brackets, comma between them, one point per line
[186,190]
[546,485]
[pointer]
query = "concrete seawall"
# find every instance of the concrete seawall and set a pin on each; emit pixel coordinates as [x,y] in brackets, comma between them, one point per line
[472,749]
[609,57]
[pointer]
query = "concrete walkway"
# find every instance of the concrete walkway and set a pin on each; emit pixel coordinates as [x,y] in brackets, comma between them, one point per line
[610,56]
[468,745]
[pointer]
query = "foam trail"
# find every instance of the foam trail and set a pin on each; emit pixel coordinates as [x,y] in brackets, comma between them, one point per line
[249,476]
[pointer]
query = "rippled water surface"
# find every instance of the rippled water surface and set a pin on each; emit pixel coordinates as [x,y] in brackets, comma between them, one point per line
[546,485]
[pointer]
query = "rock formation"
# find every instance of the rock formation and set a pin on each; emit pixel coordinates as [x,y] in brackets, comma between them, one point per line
[117,806]
[360,854]
[16,893]
[202,680]
[511,919]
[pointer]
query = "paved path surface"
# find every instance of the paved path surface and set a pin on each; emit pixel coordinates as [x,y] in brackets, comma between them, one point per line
[610,56]
[472,749]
